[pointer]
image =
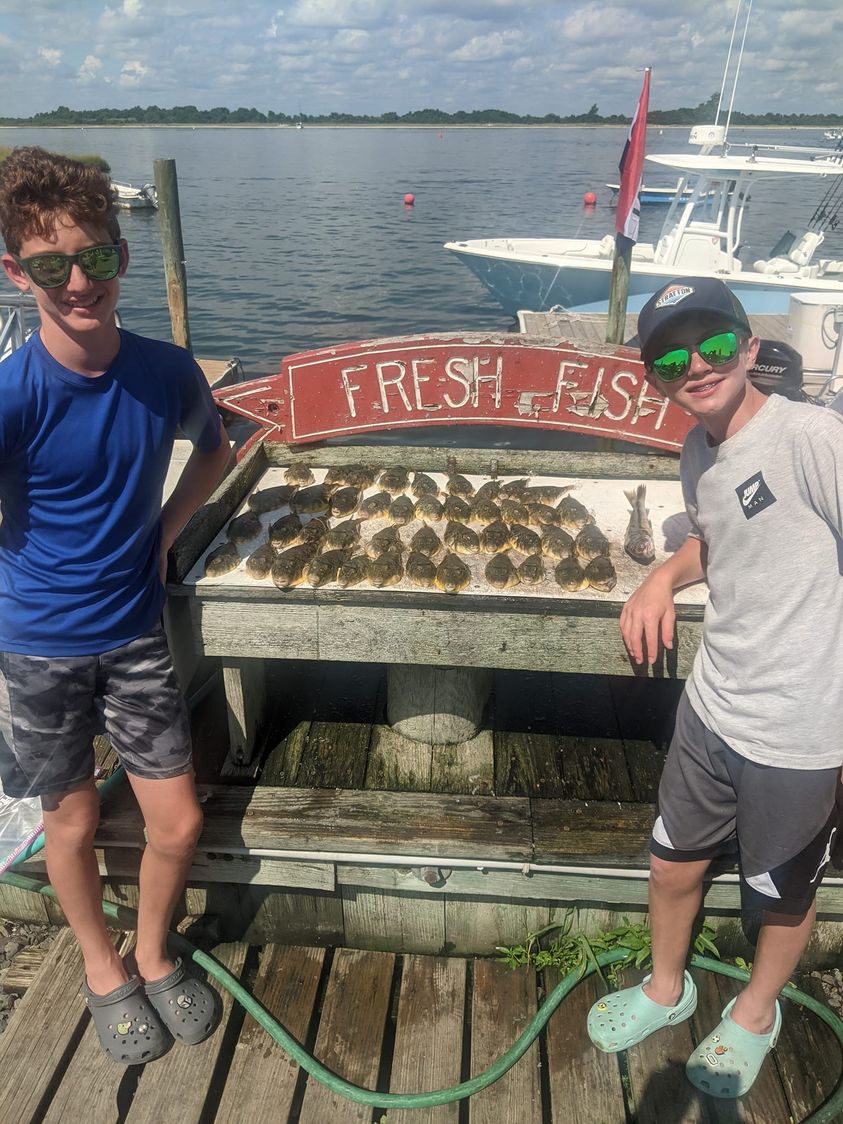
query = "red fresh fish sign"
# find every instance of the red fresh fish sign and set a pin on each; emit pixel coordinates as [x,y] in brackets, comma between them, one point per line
[439,380]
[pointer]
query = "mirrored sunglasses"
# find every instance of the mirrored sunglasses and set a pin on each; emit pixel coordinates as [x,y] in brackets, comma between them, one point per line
[715,350]
[48,271]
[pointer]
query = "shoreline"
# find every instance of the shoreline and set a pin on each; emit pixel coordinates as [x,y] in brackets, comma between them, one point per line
[432,127]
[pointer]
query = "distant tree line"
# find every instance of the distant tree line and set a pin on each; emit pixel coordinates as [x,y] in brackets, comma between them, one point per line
[190,115]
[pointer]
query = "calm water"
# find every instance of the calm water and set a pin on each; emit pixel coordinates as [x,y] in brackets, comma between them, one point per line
[295,239]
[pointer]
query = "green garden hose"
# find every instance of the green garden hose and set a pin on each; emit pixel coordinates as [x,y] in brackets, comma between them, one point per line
[828,1113]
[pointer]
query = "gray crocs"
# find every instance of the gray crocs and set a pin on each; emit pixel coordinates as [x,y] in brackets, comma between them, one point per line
[129,1029]
[188,1008]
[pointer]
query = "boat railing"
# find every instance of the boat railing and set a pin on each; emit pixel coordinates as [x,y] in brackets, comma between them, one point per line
[14,328]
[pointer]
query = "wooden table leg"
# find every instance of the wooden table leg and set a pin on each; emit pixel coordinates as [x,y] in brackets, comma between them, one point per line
[245,694]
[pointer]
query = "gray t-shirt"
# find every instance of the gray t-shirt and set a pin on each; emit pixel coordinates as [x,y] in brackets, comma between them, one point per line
[768,503]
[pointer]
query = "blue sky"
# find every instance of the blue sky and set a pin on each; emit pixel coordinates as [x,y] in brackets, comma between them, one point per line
[374,56]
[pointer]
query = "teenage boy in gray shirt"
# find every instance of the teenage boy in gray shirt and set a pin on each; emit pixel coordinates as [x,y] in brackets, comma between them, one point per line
[756,755]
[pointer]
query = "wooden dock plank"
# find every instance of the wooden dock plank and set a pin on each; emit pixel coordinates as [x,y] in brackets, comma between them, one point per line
[92,1086]
[294,917]
[177,1087]
[39,1041]
[397,763]
[238,819]
[465,767]
[283,761]
[351,1033]
[467,635]
[336,755]
[766,1100]
[594,769]
[503,1001]
[262,1078]
[808,1056]
[415,922]
[574,1064]
[604,833]
[528,764]
[645,762]
[659,1089]
[428,1035]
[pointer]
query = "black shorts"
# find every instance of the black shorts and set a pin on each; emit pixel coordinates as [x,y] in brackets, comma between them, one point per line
[782,823]
[51,708]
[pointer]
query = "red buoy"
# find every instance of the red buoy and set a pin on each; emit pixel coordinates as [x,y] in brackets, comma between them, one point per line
[589,199]
[409,199]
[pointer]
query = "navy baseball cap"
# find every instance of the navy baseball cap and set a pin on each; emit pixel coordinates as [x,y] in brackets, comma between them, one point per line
[683,297]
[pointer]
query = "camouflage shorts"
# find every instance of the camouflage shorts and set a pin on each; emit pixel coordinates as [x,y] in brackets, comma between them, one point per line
[51,708]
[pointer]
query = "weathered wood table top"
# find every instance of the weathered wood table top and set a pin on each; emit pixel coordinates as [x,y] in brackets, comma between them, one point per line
[538,628]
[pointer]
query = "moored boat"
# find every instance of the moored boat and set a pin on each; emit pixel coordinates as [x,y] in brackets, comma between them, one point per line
[653,196]
[144,198]
[539,273]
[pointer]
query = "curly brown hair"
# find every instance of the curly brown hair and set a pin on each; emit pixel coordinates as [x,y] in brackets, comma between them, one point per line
[37,187]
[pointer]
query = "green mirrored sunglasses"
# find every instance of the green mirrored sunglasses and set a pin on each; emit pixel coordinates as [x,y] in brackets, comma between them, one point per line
[715,350]
[48,271]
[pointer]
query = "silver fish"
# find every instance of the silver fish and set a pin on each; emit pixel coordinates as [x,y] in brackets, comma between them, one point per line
[638,541]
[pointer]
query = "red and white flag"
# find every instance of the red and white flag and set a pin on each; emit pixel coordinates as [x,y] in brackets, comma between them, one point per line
[632,168]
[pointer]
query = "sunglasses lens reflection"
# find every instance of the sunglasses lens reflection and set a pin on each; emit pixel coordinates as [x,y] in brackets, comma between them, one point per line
[716,350]
[719,349]
[98,263]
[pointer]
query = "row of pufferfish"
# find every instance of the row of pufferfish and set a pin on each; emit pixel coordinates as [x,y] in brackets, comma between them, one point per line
[316,553]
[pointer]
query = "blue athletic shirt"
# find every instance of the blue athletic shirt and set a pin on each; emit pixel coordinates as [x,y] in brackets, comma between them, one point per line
[82,468]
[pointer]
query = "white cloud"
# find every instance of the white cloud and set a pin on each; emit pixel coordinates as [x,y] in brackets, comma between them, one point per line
[352,39]
[133,73]
[334,13]
[528,56]
[90,68]
[483,48]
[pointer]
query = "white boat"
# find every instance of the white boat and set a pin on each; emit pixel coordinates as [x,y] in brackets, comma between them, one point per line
[144,198]
[649,196]
[539,273]
[700,236]
[833,134]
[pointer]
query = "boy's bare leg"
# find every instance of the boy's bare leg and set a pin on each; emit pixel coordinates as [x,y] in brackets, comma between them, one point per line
[70,821]
[173,822]
[781,942]
[675,897]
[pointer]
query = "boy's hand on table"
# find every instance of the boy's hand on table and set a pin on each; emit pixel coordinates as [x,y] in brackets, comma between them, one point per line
[648,617]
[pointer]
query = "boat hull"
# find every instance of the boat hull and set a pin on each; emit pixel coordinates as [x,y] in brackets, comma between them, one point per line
[523,282]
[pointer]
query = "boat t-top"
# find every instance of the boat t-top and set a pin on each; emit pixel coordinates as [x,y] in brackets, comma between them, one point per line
[701,235]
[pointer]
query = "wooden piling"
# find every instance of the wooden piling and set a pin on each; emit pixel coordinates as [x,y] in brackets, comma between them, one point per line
[618,290]
[172,247]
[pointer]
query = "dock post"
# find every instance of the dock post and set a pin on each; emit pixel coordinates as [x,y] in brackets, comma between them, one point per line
[442,705]
[618,290]
[172,247]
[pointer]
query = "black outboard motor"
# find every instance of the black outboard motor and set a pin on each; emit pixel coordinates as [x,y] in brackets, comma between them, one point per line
[778,370]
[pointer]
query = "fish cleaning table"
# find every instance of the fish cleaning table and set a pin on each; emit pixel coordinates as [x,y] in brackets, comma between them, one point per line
[245,620]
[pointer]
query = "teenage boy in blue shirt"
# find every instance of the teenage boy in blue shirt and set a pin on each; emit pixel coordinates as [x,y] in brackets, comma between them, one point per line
[756,754]
[88,415]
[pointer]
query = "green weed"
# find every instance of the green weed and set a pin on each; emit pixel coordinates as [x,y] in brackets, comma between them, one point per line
[570,952]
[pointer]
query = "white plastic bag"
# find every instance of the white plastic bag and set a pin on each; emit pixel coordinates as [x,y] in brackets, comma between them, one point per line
[20,823]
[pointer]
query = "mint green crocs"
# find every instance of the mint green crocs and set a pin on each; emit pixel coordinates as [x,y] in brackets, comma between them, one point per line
[627,1017]
[727,1062]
